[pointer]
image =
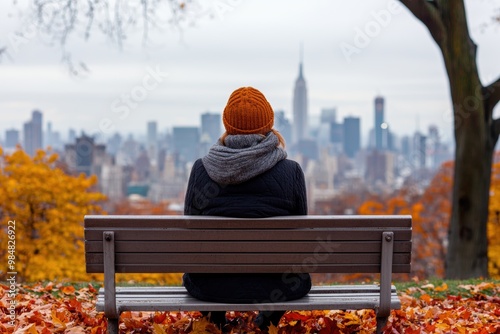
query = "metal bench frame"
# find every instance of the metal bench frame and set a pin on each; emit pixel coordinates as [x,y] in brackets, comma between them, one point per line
[321,244]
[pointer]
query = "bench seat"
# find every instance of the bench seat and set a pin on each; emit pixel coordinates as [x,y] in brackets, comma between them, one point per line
[168,298]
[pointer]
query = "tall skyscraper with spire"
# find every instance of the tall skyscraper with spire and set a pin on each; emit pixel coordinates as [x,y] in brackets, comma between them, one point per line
[300,124]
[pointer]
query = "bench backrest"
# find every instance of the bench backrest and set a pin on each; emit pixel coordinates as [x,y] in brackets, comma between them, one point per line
[323,244]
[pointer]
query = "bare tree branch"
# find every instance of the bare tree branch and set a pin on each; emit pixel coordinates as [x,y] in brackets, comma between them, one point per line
[495,129]
[428,13]
[491,94]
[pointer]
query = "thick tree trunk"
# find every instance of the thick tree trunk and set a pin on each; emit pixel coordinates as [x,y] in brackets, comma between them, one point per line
[475,136]
[467,254]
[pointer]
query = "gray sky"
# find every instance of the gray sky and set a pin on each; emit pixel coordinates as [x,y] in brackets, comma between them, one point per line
[353,51]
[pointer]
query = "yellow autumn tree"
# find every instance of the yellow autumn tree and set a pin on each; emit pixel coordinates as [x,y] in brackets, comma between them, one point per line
[47,207]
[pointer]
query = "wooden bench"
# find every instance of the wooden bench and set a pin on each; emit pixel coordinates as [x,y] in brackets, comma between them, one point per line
[292,244]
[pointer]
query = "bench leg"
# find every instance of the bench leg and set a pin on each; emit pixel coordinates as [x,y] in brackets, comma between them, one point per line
[380,324]
[113,326]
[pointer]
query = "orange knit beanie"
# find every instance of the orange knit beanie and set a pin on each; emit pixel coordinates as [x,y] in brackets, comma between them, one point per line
[248,112]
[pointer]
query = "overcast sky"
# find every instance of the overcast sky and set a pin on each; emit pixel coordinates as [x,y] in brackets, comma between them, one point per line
[353,51]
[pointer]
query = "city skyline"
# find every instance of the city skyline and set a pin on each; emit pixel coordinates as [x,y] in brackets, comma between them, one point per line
[340,130]
[346,65]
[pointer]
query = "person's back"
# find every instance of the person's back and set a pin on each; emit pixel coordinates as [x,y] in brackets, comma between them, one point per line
[246,174]
[276,192]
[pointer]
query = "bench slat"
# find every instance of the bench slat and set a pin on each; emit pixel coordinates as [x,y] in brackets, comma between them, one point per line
[318,289]
[92,221]
[246,258]
[243,246]
[174,299]
[208,268]
[248,235]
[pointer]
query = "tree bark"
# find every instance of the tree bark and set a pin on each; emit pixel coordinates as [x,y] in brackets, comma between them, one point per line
[475,136]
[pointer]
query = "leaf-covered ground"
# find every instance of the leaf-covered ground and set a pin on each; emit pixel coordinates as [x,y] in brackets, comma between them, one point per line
[426,308]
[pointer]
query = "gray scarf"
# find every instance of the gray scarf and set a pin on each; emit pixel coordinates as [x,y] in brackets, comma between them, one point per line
[242,157]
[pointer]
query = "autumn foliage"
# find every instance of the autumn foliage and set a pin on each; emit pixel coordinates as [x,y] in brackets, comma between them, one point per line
[425,308]
[47,206]
[430,210]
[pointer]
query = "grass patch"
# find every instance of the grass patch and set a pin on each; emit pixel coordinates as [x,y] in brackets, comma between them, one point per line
[441,288]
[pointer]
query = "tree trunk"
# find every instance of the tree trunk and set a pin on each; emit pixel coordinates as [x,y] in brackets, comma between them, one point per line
[475,136]
[467,254]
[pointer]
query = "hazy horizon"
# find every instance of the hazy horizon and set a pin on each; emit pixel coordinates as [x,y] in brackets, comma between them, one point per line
[250,43]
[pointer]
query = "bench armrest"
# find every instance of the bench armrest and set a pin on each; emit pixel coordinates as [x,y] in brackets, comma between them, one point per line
[386,275]
[109,275]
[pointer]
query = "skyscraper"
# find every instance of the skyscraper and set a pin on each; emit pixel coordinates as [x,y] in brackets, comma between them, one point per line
[379,123]
[282,124]
[186,141]
[210,131]
[152,141]
[11,138]
[300,124]
[211,126]
[351,136]
[33,133]
[152,131]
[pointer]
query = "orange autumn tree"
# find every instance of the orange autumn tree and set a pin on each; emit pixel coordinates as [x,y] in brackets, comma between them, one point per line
[47,206]
[494,221]
[430,230]
[430,213]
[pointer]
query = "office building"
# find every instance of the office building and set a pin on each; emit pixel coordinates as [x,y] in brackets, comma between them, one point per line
[33,134]
[186,144]
[380,125]
[85,156]
[351,136]
[282,124]
[11,138]
[211,126]
[152,141]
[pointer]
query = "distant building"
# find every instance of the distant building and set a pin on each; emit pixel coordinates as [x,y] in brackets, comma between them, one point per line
[380,168]
[71,135]
[328,115]
[379,123]
[113,144]
[112,181]
[33,133]
[11,138]
[419,150]
[152,141]
[308,149]
[351,136]
[152,132]
[300,112]
[52,138]
[186,143]
[210,131]
[211,126]
[282,124]
[336,133]
[85,156]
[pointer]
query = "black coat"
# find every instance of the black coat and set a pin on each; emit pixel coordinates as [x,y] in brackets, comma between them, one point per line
[280,191]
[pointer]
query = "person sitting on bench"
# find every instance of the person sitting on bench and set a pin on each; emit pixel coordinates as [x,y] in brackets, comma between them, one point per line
[246,174]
